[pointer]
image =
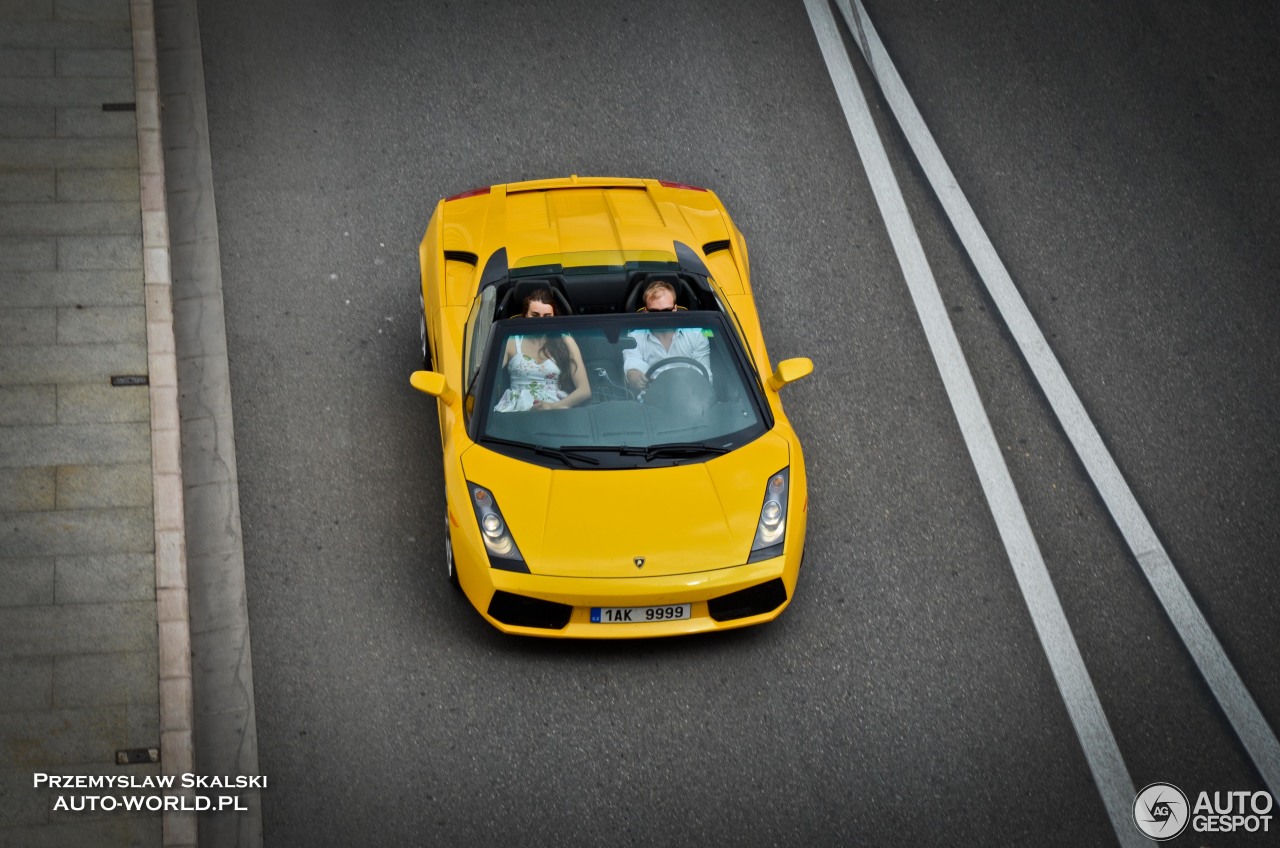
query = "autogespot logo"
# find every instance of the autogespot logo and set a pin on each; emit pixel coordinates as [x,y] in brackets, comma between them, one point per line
[1160,811]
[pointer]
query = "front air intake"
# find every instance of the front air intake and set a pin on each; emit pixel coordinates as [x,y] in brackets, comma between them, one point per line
[756,600]
[520,611]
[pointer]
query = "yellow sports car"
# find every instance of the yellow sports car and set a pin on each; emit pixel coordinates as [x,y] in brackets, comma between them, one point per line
[617,463]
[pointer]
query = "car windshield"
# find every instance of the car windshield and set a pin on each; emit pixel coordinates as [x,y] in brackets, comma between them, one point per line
[665,388]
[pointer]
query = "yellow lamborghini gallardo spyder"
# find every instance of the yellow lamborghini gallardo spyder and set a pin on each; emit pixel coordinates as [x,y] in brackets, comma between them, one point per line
[618,466]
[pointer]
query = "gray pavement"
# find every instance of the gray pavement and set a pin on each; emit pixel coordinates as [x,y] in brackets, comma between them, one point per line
[95,644]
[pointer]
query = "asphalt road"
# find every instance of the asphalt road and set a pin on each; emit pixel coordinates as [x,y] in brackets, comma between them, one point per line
[1123,158]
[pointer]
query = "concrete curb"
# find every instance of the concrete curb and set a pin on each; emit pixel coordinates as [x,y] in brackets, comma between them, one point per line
[224,722]
[172,603]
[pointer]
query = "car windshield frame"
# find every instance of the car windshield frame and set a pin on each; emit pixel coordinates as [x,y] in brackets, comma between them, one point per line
[746,402]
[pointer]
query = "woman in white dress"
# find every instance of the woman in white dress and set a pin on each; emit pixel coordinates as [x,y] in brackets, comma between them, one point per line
[546,371]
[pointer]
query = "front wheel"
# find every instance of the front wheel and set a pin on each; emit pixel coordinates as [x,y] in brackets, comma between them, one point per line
[451,570]
[422,337]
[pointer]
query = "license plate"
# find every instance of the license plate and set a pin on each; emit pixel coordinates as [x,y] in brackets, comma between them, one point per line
[639,615]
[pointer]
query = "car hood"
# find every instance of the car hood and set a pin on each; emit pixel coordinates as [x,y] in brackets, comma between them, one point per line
[677,520]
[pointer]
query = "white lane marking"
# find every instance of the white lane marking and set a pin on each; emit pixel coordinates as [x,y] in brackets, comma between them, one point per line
[1242,711]
[1081,699]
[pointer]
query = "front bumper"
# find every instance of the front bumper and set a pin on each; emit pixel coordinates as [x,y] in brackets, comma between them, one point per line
[560,607]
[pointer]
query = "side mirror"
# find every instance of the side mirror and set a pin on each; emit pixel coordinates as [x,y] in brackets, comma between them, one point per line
[790,370]
[434,384]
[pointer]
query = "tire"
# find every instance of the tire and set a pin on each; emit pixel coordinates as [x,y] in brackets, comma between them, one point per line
[451,571]
[422,337]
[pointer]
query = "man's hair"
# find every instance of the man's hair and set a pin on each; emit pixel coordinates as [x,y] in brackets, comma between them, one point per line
[656,286]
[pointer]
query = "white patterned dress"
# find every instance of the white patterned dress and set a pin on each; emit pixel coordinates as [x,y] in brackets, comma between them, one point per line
[531,381]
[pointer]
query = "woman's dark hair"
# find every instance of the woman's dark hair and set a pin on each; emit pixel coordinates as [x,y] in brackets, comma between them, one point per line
[541,296]
[553,345]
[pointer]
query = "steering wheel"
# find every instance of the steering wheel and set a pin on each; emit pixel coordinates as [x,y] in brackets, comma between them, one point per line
[676,360]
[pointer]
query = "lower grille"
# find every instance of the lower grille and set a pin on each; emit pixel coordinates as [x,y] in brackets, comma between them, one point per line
[755,600]
[520,611]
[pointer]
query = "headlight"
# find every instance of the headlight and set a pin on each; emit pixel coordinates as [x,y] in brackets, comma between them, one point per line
[771,530]
[497,539]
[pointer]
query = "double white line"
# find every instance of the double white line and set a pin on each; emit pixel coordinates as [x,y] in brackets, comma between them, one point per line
[1109,771]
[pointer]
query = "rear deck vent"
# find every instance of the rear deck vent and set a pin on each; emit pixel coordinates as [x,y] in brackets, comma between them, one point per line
[461,256]
[715,246]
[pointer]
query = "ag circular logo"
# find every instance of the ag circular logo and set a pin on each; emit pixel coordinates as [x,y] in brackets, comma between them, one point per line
[1160,811]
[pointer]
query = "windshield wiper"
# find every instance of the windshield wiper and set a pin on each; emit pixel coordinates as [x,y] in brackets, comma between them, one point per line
[578,452]
[673,449]
[567,456]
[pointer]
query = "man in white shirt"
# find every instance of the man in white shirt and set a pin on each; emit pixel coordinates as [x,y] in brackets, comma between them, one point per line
[653,346]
